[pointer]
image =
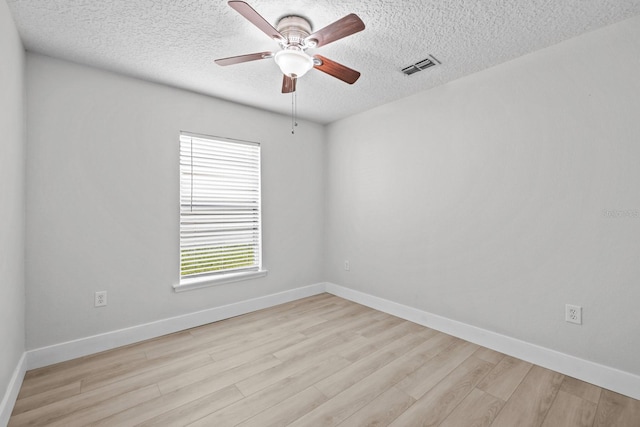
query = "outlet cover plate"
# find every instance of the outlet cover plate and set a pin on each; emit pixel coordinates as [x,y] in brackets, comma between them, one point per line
[100,299]
[573,314]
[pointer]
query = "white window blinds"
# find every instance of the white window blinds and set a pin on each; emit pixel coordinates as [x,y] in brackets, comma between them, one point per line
[220,230]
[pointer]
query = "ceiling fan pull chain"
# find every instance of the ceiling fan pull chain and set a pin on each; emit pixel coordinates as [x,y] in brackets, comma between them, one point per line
[294,111]
[293,120]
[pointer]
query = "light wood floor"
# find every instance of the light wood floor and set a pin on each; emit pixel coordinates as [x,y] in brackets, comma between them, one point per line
[321,361]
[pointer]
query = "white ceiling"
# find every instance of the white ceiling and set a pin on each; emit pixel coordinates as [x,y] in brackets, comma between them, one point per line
[175,42]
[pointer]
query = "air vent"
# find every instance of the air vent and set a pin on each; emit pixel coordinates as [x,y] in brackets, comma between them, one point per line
[421,65]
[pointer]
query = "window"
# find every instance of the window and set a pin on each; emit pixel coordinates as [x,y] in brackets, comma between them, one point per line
[220,224]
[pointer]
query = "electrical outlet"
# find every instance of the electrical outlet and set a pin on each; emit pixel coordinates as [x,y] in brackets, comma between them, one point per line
[573,314]
[100,299]
[347,265]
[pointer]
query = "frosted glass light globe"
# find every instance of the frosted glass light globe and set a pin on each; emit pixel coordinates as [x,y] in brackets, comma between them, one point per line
[293,62]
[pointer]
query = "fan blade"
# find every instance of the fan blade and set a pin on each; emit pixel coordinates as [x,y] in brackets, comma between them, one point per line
[288,84]
[243,58]
[256,19]
[344,27]
[336,70]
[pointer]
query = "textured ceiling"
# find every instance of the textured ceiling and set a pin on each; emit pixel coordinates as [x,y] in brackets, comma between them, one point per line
[175,42]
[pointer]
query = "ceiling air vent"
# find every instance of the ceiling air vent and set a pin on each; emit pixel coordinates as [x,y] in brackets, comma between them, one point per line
[421,65]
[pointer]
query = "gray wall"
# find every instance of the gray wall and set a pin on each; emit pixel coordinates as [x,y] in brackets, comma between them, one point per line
[484,200]
[102,199]
[12,185]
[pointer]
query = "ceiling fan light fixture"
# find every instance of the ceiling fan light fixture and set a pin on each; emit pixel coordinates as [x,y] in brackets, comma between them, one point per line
[293,63]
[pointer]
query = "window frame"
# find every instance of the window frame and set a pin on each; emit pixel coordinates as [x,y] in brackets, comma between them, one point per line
[185,283]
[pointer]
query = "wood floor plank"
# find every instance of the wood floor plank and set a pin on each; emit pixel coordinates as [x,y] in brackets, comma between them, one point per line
[292,367]
[354,323]
[432,372]
[197,343]
[90,362]
[216,377]
[194,410]
[79,402]
[381,410]
[310,345]
[76,371]
[385,337]
[310,306]
[145,374]
[581,389]
[92,414]
[349,312]
[272,395]
[177,338]
[270,316]
[616,410]
[529,404]
[231,349]
[434,406]
[383,325]
[235,327]
[187,365]
[287,411]
[345,378]
[505,377]
[233,339]
[246,354]
[570,411]
[489,355]
[66,417]
[38,400]
[318,311]
[478,409]
[167,402]
[350,400]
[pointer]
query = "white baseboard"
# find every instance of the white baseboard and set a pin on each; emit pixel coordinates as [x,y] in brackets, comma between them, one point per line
[84,346]
[594,373]
[11,394]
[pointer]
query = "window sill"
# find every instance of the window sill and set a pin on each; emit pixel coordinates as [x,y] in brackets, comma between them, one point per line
[205,282]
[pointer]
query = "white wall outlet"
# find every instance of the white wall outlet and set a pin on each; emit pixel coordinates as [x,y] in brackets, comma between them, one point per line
[347,265]
[100,299]
[573,314]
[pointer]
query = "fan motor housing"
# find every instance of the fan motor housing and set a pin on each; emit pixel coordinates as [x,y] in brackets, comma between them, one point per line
[295,29]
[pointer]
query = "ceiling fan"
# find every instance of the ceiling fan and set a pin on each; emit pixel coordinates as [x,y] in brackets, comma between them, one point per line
[294,35]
